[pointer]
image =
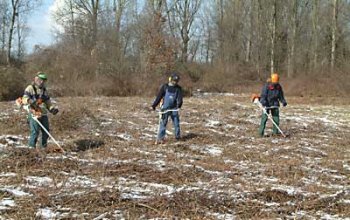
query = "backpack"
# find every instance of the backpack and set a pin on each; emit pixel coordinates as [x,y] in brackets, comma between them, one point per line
[169,99]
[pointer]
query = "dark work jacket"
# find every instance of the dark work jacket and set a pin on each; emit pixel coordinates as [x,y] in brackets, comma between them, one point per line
[173,89]
[272,95]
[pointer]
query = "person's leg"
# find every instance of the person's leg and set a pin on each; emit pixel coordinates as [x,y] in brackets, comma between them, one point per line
[276,119]
[34,131]
[262,124]
[163,121]
[176,121]
[44,136]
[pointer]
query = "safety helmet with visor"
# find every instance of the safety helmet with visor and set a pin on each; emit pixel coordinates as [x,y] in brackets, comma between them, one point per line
[174,78]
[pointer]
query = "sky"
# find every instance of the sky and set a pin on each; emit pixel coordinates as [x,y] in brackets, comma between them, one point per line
[41,25]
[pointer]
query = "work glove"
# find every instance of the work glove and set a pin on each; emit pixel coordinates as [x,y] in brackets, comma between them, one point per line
[284,104]
[54,111]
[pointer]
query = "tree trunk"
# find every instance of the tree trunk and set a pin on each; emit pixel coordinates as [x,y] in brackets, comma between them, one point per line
[259,39]
[220,6]
[3,33]
[273,36]
[315,33]
[95,8]
[250,30]
[19,39]
[291,56]
[12,25]
[334,32]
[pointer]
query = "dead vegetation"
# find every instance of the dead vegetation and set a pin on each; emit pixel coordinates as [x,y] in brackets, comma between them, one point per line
[220,170]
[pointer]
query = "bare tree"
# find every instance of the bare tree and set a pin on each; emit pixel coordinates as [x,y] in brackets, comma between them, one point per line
[4,21]
[334,32]
[273,36]
[118,8]
[17,7]
[220,27]
[249,30]
[291,39]
[315,24]
[185,13]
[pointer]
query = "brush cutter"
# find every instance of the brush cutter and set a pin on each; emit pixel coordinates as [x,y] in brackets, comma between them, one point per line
[48,133]
[255,100]
[35,115]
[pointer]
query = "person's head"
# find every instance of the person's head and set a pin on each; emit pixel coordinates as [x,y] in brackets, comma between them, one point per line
[174,78]
[274,78]
[40,79]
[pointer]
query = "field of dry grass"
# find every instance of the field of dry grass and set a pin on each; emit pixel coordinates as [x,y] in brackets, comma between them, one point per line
[220,169]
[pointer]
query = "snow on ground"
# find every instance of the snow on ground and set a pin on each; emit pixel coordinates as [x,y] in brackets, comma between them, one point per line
[220,170]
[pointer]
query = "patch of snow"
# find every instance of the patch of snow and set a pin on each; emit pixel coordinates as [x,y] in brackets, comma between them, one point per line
[118,215]
[212,123]
[126,137]
[7,203]
[346,201]
[106,123]
[46,213]
[79,181]
[15,140]
[212,149]
[326,216]
[221,216]
[288,189]
[131,189]
[16,192]
[8,174]
[102,216]
[324,196]
[35,181]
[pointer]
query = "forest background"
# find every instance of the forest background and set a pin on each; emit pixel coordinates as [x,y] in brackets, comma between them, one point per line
[129,47]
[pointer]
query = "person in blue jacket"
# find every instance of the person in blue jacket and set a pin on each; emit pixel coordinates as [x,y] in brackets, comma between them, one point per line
[170,97]
[270,98]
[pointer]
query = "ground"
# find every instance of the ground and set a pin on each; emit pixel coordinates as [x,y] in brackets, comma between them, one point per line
[221,169]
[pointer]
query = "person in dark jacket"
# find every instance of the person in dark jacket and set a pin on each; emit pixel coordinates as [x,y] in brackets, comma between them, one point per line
[270,98]
[170,97]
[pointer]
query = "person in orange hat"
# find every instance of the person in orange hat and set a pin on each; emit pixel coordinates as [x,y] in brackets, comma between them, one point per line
[270,98]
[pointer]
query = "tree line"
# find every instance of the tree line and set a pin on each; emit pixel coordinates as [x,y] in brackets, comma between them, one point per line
[243,38]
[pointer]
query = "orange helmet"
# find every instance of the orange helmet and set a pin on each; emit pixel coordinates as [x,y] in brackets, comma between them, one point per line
[274,78]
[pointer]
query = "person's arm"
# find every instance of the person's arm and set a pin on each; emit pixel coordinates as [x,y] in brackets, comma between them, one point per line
[48,104]
[179,98]
[28,97]
[263,95]
[281,97]
[159,97]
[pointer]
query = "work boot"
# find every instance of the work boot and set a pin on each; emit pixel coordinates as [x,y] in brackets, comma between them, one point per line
[158,142]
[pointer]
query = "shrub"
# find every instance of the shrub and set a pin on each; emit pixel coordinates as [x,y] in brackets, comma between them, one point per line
[12,83]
